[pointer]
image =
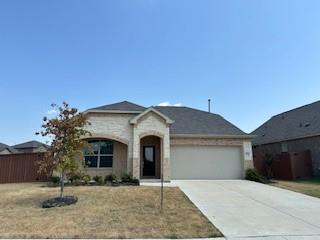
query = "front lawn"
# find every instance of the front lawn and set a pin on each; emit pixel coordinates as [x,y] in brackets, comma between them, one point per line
[309,187]
[101,212]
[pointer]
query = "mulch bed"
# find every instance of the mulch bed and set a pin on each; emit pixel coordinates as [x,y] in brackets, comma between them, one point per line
[59,202]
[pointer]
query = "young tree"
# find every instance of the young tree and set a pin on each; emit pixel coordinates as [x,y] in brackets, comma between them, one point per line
[66,132]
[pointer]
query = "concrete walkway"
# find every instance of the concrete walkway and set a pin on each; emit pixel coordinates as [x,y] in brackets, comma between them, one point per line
[247,210]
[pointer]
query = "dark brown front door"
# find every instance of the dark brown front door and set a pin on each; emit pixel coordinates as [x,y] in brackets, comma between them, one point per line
[149,166]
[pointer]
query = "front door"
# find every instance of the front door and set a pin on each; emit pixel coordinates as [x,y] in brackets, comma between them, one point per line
[149,166]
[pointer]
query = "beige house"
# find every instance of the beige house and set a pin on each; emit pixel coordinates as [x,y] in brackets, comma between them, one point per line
[173,142]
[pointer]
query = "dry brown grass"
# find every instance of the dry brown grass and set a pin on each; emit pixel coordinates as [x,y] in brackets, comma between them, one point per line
[101,212]
[309,187]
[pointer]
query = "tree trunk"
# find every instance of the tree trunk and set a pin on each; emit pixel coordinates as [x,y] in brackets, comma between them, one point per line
[61,184]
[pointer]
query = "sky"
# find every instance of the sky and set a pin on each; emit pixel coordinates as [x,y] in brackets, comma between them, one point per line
[254,59]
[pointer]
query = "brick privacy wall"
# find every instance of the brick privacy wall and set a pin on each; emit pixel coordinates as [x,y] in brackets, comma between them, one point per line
[20,168]
[298,145]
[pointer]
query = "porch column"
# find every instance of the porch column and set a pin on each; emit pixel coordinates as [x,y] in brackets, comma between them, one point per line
[166,157]
[136,154]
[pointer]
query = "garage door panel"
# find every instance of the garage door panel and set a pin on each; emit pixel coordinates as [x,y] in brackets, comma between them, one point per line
[206,162]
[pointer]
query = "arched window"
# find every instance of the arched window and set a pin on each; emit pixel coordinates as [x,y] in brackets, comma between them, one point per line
[99,154]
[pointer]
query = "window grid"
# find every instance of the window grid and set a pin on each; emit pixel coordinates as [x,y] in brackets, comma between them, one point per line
[98,155]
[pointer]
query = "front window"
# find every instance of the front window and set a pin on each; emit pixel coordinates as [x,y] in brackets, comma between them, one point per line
[99,154]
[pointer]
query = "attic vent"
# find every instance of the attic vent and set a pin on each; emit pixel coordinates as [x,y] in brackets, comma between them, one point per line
[282,117]
[307,125]
[263,135]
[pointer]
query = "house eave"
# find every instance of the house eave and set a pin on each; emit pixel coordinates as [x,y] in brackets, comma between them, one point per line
[286,140]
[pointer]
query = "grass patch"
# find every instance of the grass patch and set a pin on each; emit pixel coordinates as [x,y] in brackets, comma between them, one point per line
[101,212]
[309,187]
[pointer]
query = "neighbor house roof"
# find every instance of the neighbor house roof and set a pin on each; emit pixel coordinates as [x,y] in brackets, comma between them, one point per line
[30,144]
[10,149]
[297,123]
[3,146]
[196,122]
[120,106]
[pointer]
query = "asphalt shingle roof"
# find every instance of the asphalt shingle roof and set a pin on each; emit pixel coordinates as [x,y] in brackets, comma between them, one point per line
[30,144]
[120,106]
[186,120]
[193,121]
[296,123]
[3,146]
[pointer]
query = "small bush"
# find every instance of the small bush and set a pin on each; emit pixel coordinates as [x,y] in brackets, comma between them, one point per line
[86,178]
[54,179]
[253,175]
[126,178]
[135,181]
[110,178]
[76,177]
[98,179]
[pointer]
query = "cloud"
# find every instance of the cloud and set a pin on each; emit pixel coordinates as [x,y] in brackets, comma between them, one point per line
[166,104]
[52,111]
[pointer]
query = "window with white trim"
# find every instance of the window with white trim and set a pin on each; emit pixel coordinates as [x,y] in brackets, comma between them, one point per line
[99,154]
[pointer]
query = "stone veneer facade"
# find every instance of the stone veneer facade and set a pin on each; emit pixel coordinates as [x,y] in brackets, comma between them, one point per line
[117,126]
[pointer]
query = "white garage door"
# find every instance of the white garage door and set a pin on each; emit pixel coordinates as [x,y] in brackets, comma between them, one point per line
[206,162]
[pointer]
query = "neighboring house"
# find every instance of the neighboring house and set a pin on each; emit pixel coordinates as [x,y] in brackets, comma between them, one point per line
[31,147]
[176,142]
[5,149]
[296,130]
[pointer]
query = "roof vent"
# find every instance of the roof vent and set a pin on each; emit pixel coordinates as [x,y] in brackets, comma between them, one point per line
[263,135]
[307,125]
[282,117]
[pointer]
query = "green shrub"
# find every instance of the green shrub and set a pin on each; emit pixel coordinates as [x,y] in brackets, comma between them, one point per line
[86,178]
[253,175]
[76,177]
[126,178]
[98,179]
[110,178]
[54,179]
[135,181]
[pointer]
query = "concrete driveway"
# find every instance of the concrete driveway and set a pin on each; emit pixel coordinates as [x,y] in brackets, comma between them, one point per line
[244,209]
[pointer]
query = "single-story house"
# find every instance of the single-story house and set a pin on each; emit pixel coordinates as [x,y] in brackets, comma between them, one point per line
[173,142]
[293,131]
[31,147]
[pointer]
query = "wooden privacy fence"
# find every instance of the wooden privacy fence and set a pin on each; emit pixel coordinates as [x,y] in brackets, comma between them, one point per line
[286,166]
[20,168]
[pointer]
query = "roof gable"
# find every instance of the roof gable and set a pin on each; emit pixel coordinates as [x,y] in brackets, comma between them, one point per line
[297,123]
[149,110]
